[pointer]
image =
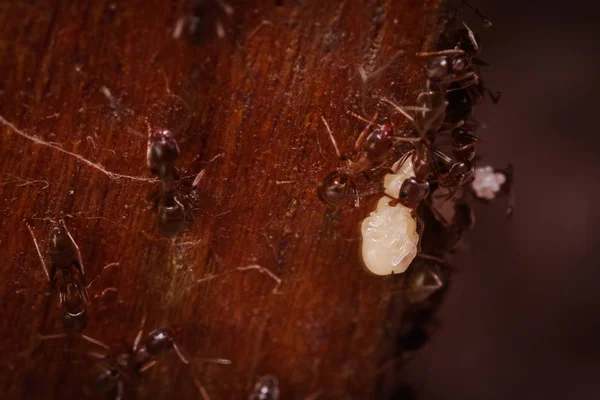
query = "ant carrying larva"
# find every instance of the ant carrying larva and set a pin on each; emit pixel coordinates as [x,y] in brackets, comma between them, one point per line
[371,149]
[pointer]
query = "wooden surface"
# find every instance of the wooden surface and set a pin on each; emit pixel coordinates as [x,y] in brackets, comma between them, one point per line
[306,310]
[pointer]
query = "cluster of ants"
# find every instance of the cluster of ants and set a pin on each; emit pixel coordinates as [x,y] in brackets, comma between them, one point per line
[445,106]
[67,278]
[452,89]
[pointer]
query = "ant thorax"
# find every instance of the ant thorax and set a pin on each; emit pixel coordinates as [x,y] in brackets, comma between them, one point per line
[389,234]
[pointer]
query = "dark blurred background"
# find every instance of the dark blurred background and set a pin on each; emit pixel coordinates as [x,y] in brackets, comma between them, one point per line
[521,319]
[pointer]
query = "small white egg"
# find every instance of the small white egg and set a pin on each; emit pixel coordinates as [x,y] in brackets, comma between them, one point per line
[389,234]
[487,182]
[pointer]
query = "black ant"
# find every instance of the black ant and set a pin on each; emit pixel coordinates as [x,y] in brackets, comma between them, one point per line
[267,388]
[202,18]
[371,149]
[416,189]
[67,277]
[424,284]
[161,154]
[128,367]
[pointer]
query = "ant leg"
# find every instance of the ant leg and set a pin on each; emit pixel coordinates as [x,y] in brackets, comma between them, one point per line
[450,127]
[94,341]
[487,22]
[442,156]
[471,75]
[400,110]
[363,134]
[337,150]
[120,390]
[80,264]
[402,161]
[357,197]
[180,354]
[138,337]
[201,389]
[38,251]
[226,7]
[495,97]
[115,264]
[147,366]
[448,52]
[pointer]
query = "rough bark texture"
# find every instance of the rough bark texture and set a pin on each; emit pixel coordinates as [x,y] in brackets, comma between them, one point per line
[306,310]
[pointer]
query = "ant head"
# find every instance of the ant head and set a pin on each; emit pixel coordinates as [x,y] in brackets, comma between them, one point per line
[163,149]
[379,142]
[437,68]
[459,173]
[461,64]
[334,188]
[412,192]
[159,342]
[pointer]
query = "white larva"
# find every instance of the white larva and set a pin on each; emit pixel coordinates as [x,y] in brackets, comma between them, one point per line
[389,234]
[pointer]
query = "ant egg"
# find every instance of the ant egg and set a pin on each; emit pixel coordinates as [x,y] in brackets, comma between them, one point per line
[487,182]
[389,234]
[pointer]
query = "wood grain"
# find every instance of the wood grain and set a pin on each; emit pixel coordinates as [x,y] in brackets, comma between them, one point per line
[264,275]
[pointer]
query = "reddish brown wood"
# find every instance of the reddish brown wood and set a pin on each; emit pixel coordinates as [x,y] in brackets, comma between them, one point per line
[252,102]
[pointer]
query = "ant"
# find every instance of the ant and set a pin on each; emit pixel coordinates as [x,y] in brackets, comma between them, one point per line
[267,388]
[67,276]
[162,153]
[424,285]
[416,189]
[371,150]
[129,366]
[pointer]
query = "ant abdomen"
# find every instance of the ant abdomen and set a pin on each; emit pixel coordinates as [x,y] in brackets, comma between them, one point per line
[334,188]
[104,382]
[75,322]
[171,218]
[412,192]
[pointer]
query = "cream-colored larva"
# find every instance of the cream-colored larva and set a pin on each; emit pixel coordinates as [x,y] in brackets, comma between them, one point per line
[389,234]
